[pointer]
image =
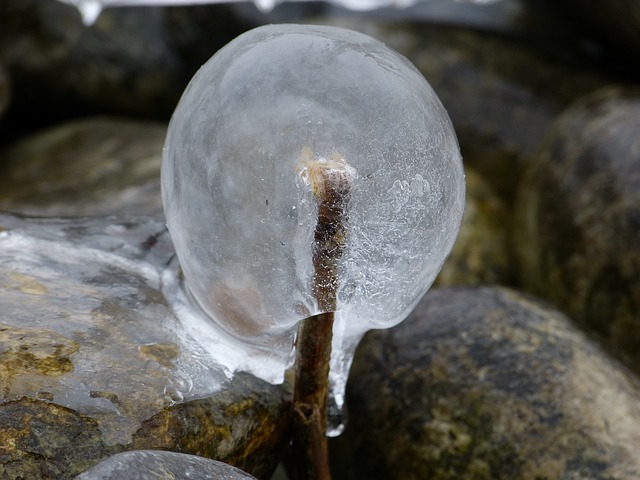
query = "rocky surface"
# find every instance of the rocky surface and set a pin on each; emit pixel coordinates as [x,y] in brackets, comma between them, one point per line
[94,361]
[132,60]
[482,252]
[616,23]
[4,90]
[485,383]
[578,232]
[159,465]
[93,166]
[480,383]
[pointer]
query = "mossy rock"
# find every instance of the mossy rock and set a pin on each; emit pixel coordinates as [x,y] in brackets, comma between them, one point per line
[486,383]
[93,166]
[93,360]
[578,219]
[482,252]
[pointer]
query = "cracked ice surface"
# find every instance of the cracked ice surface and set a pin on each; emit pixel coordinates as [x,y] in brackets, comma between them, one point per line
[243,225]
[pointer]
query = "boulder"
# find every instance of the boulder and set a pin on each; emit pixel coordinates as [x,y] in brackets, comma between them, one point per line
[486,383]
[92,166]
[577,229]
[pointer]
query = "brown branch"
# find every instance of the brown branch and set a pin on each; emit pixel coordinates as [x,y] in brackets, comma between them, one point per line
[330,181]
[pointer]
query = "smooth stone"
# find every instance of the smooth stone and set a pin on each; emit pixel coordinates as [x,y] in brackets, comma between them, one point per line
[93,166]
[94,361]
[486,383]
[578,219]
[132,61]
[160,465]
[501,92]
[481,254]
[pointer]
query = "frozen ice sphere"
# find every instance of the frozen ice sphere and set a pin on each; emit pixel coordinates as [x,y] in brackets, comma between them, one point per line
[236,188]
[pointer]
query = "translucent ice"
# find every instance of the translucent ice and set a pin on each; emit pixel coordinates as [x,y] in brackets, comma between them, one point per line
[238,197]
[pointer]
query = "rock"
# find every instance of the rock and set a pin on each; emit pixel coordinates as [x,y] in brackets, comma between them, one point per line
[132,61]
[4,91]
[485,383]
[578,219]
[615,23]
[95,166]
[95,362]
[158,465]
[481,254]
[502,93]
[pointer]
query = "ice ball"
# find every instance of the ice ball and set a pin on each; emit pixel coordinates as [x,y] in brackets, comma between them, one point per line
[235,181]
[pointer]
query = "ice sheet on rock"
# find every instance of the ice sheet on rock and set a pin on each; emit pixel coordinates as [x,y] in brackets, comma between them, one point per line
[243,223]
[84,314]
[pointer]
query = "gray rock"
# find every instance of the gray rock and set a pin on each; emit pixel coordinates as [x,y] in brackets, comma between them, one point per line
[4,90]
[578,219]
[159,465]
[615,22]
[485,383]
[132,61]
[93,360]
[94,166]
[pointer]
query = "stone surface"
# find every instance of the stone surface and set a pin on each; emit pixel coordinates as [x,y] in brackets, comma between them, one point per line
[133,61]
[482,253]
[578,218]
[160,465]
[4,90]
[485,383]
[502,93]
[93,166]
[94,361]
[615,22]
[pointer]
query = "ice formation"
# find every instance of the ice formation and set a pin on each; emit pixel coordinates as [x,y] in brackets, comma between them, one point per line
[236,186]
[91,9]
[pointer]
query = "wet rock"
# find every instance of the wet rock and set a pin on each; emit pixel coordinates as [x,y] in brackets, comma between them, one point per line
[578,219]
[502,93]
[95,166]
[481,254]
[158,465]
[485,383]
[132,61]
[95,362]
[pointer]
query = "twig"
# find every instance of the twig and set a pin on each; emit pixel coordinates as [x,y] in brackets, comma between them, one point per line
[330,182]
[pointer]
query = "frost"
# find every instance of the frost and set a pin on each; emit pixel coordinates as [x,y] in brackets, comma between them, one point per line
[238,184]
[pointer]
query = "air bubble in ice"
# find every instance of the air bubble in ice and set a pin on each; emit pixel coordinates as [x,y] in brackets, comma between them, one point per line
[243,222]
